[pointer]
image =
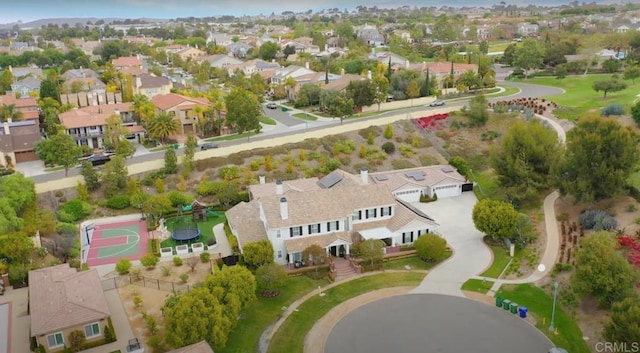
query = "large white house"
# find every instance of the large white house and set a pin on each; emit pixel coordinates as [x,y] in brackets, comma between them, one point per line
[340,209]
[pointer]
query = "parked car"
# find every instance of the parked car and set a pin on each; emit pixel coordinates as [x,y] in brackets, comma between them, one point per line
[436,103]
[99,160]
[207,146]
[272,105]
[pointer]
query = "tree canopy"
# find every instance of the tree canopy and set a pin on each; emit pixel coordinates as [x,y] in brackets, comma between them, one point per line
[258,253]
[599,157]
[18,190]
[609,85]
[524,157]
[602,271]
[60,149]
[495,218]
[243,110]
[624,327]
[529,55]
[430,247]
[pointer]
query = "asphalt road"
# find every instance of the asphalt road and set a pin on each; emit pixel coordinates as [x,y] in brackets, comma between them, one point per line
[433,323]
[281,117]
[527,90]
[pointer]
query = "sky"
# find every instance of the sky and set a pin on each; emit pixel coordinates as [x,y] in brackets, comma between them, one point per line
[29,10]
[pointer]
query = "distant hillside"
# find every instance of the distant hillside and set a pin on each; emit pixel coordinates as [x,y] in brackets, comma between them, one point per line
[70,21]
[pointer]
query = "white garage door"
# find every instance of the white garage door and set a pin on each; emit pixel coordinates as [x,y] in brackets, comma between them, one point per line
[447,190]
[408,195]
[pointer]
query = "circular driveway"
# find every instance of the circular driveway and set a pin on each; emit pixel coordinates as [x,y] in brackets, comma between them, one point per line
[433,323]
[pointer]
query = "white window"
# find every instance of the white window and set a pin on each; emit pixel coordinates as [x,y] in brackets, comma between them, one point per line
[385,211]
[314,228]
[371,213]
[92,330]
[278,233]
[331,226]
[295,231]
[55,340]
[279,254]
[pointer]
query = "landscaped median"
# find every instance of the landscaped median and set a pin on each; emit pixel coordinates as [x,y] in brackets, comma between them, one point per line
[290,337]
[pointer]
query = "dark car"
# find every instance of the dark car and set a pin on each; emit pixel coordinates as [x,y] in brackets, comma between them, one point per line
[99,160]
[272,105]
[208,146]
[436,103]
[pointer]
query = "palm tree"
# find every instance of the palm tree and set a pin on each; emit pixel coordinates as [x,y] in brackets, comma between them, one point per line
[10,112]
[162,126]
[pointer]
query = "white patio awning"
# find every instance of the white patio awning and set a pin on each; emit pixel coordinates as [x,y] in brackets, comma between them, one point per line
[376,233]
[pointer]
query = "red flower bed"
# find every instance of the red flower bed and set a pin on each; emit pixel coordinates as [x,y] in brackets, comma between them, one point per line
[628,242]
[430,121]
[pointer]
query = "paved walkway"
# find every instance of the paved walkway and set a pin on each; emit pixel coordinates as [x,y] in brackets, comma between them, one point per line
[222,247]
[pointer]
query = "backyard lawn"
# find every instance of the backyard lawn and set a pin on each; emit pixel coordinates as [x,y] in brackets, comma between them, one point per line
[539,304]
[263,312]
[580,98]
[290,336]
[206,229]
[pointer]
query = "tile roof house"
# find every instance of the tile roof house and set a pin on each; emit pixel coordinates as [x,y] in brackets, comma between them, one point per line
[87,125]
[180,107]
[371,35]
[341,209]
[17,142]
[83,80]
[25,104]
[62,300]
[151,85]
[221,60]
[252,66]
[20,72]
[127,62]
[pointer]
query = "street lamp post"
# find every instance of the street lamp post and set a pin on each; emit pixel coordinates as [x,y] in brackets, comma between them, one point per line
[553,310]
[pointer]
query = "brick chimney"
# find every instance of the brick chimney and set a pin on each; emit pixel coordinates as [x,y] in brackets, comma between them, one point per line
[279,188]
[364,176]
[284,208]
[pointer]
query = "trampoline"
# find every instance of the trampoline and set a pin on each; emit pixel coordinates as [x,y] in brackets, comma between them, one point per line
[185,229]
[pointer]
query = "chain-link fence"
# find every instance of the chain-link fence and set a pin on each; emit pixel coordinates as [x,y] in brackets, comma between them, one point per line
[142,281]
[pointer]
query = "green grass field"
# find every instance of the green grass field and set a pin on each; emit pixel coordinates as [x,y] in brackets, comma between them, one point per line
[580,98]
[477,285]
[267,121]
[290,336]
[206,229]
[263,312]
[539,304]
[500,261]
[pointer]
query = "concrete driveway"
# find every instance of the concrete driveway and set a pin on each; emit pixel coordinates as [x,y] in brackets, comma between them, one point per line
[436,324]
[470,255]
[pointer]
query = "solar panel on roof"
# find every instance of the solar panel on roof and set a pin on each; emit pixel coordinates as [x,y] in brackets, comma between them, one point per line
[381,177]
[415,175]
[330,180]
[448,169]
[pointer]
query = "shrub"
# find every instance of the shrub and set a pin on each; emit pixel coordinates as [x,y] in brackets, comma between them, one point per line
[184,277]
[179,199]
[430,247]
[123,266]
[166,271]
[460,164]
[388,147]
[427,160]
[118,202]
[406,150]
[108,335]
[371,139]
[205,257]
[612,109]
[137,301]
[597,220]
[150,179]
[149,261]
[177,260]
[74,210]
[388,132]
[402,164]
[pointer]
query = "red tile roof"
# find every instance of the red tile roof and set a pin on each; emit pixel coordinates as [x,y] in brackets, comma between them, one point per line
[126,61]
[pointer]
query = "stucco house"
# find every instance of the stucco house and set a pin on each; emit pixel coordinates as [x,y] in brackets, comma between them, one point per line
[17,142]
[127,62]
[62,300]
[180,107]
[27,86]
[151,85]
[340,209]
[25,104]
[221,60]
[87,125]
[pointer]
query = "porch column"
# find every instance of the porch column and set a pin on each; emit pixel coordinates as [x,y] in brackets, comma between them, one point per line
[347,248]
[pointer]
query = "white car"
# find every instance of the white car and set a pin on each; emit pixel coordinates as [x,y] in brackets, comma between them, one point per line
[436,103]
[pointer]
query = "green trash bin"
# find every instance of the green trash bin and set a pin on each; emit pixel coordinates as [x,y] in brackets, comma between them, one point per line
[506,304]
[499,302]
[514,308]
[175,146]
[284,109]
